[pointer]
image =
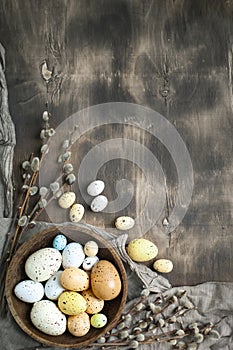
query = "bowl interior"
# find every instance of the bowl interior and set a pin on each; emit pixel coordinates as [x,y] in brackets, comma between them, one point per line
[21,310]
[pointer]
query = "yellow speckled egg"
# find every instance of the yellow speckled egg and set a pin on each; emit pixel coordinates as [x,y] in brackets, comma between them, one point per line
[141,249]
[94,304]
[71,303]
[163,265]
[105,280]
[79,325]
[75,279]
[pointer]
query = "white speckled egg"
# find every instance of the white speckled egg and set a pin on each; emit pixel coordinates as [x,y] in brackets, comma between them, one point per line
[163,265]
[46,317]
[59,242]
[141,249]
[73,255]
[99,203]
[95,188]
[89,262]
[66,200]
[124,223]
[91,248]
[53,287]
[42,264]
[76,212]
[29,291]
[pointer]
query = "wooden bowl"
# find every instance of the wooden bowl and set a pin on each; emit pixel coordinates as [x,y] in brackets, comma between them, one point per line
[21,310]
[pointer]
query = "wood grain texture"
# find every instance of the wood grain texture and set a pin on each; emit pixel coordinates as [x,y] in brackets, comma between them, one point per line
[172,56]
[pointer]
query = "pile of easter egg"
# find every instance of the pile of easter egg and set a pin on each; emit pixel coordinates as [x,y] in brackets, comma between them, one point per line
[68,286]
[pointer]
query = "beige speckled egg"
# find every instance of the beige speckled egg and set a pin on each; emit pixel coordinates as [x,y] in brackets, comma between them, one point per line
[74,279]
[91,248]
[79,325]
[71,303]
[105,280]
[46,317]
[124,223]
[163,265]
[94,304]
[66,200]
[76,212]
[141,249]
[42,264]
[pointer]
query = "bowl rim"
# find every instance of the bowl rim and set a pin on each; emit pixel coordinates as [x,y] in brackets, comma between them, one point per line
[32,241]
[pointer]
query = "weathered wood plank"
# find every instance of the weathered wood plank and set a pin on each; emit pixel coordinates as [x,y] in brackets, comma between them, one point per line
[172,56]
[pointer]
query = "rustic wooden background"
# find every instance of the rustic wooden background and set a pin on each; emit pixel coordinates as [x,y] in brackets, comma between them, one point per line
[174,56]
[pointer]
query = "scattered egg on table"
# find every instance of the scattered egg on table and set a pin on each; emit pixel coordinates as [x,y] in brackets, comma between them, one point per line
[59,242]
[98,320]
[124,223]
[105,280]
[94,304]
[163,265]
[91,248]
[29,291]
[66,200]
[76,212]
[89,262]
[53,287]
[73,255]
[46,317]
[141,250]
[71,303]
[75,279]
[42,264]
[95,188]
[79,325]
[99,203]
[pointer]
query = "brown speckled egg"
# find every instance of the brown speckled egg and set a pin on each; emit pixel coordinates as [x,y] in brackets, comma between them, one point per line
[75,279]
[79,325]
[94,304]
[105,280]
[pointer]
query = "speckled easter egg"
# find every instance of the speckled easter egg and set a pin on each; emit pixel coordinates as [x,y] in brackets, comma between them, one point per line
[98,320]
[29,291]
[99,203]
[141,250]
[71,303]
[74,279]
[42,264]
[89,262]
[94,304]
[124,223]
[59,242]
[95,188]
[91,248]
[48,318]
[66,200]
[163,265]
[53,287]
[73,255]
[76,212]
[105,280]
[79,325]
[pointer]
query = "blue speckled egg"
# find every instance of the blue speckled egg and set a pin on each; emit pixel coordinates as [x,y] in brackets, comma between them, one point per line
[59,242]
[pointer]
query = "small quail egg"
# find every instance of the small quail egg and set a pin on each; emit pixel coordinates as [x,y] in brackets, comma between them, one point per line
[59,242]
[91,248]
[163,265]
[141,249]
[98,320]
